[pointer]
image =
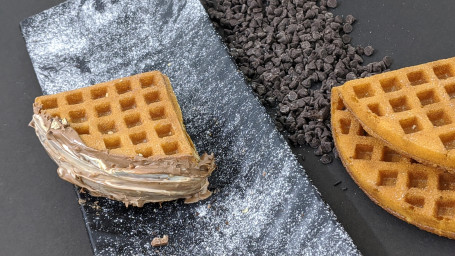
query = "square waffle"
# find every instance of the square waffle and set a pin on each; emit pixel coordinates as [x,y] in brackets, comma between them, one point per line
[136,115]
[418,194]
[410,109]
[125,140]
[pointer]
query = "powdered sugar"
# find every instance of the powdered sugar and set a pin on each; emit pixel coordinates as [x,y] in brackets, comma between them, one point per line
[264,203]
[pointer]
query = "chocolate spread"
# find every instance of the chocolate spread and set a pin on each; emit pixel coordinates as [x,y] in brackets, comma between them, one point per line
[132,180]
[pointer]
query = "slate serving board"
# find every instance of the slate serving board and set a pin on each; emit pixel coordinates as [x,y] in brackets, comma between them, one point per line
[264,202]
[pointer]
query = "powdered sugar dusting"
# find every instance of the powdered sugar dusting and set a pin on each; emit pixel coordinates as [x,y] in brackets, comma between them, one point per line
[263,202]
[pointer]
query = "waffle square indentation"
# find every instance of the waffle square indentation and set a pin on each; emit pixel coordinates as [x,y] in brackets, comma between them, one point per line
[361,131]
[345,125]
[107,127]
[391,84]
[151,97]
[132,120]
[376,109]
[446,181]
[448,140]
[74,98]
[127,103]
[170,148]
[146,152]
[98,93]
[387,178]
[157,113]
[363,152]
[138,138]
[49,103]
[439,117]
[103,109]
[123,86]
[417,180]
[164,130]
[389,155]
[445,209]
[427,97]
[112,142]
[363,91]
[147,81]
[417,78]
[340,105]
[416,201]
[400,104]
[410,125]
[78,116]
[443,71]
[82,129]
[450,89]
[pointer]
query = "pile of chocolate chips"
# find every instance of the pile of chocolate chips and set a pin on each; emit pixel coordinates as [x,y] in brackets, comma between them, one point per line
[293,52]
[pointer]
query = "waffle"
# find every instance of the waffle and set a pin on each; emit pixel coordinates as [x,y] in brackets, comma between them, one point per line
[418,194]
[136,115]
[411,110]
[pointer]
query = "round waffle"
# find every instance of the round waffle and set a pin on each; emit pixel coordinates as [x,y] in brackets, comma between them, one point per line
[418,194]
[411,110]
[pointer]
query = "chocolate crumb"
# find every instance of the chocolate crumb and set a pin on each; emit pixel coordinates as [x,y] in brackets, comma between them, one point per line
[158,241]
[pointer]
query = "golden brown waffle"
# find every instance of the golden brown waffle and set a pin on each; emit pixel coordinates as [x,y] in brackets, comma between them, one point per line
[411,109]
[418,194]
[136,115]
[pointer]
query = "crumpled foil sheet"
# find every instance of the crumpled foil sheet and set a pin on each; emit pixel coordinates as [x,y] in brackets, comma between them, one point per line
[263,204]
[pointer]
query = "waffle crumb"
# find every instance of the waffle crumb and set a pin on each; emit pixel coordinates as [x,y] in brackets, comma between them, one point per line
[158,241]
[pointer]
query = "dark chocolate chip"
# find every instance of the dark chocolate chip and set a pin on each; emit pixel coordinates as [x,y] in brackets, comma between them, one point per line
[347,28]
[387,61]
[332,3]
[350,19]
[293,53]
[326,159]
[350,76]
[346,38]
[292,95]
[369,50]
[284,109]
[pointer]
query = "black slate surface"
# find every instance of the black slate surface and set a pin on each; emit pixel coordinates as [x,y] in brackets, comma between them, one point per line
[263,204]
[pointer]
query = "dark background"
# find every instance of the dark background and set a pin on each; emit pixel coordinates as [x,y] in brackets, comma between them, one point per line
[40,213]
